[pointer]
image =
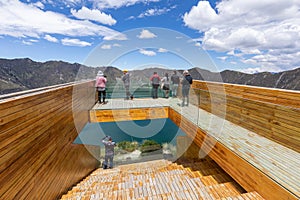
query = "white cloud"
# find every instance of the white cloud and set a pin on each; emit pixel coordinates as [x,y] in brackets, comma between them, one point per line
[50,38]
[223,58]
[116,45]
[155,12]
[18,19]
[202,11]
[95,15]
[162,50]
[115,36]
[147,52]
[106,46]
[39,5]
[26,42]
[146,34]
[75,42]
[109,46]
[119,3]
[250,27]
[197,44]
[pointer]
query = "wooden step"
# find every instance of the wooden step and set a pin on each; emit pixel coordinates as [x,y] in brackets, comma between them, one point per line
[157,180]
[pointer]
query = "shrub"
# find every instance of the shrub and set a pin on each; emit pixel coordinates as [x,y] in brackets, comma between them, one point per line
[128,146]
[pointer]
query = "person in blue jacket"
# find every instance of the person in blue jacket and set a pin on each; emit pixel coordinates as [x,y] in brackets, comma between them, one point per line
[109,152]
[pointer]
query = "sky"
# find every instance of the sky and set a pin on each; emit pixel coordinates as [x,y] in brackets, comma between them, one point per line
[242,35]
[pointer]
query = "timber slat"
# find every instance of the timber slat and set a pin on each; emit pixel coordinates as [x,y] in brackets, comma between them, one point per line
[38,159]
[158,179]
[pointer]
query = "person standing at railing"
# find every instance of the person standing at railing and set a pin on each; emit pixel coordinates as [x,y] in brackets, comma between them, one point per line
[109,152]
[126,82]
[166,85]
[175,83]
[155,81]
[101,87]
[186,82]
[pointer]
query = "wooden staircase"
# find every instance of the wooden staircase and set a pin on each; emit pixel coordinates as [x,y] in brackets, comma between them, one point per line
[161,179]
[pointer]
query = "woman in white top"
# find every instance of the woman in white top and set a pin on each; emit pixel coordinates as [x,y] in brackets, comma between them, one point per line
[166,85]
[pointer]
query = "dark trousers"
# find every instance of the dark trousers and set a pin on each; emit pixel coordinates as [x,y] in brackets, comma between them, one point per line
[103,94]
[155,91]
[108,161]
[128,94]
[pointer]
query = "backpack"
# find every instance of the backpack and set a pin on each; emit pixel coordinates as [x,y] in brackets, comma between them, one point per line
[189,79]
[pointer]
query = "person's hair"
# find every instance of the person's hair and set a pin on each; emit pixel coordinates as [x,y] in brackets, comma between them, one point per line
[154,72]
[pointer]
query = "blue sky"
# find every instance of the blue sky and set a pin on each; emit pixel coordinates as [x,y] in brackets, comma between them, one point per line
[243,35]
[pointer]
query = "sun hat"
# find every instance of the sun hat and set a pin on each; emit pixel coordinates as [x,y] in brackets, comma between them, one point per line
[125,70]
[100,73]
[185,72]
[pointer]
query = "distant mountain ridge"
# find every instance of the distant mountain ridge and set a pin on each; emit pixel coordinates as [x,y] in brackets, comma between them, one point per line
[23,74]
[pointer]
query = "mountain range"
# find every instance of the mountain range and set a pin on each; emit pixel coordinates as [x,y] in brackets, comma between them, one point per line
[24,74]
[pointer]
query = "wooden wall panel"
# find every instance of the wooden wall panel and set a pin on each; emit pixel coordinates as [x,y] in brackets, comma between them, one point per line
[272,113]
[128,114]
[38,159]
[250,178]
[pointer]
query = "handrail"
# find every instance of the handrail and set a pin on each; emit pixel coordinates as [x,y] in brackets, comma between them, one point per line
[33,91]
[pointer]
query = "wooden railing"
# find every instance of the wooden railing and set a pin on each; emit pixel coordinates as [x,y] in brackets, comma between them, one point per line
[271,113]
[38,159]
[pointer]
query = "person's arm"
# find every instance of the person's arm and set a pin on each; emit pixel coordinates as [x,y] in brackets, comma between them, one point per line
[104,140]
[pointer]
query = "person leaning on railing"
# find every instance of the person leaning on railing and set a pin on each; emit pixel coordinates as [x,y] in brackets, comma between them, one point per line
[101,87]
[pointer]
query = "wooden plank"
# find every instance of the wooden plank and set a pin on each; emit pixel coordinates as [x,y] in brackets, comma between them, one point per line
[128,114]
[42,124]
[248,177]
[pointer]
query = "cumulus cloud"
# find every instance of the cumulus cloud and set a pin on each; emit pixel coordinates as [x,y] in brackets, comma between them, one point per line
[50,38]
[147,52]
[25,20]
[146,34]
[95,15]
[250,27]
[74,42]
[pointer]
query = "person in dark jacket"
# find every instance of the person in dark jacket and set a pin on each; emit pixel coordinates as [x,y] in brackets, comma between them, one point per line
[109,152]
[186,84]
[155,82]
[175,82]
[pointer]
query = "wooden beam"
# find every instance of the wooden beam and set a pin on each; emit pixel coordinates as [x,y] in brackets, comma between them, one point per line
[128,114]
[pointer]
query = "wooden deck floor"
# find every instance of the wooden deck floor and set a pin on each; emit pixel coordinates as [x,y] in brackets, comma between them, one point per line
[276,161]
[161,179]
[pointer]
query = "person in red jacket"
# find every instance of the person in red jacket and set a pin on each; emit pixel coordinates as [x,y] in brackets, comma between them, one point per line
[101,87]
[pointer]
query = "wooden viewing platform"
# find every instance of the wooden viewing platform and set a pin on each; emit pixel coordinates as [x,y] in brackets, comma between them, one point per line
[251,133]
[267,164]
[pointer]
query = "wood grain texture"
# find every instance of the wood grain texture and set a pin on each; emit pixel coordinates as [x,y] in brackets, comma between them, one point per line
[128,114]
[38,159]
[272,113]
[249,177]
